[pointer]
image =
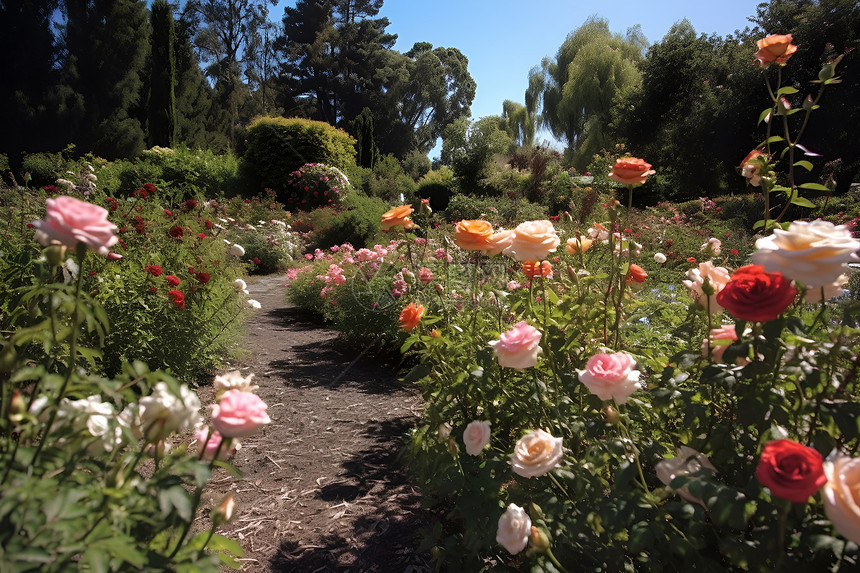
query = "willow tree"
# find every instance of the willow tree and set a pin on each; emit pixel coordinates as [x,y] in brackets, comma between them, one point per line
[593,69]
[520,122]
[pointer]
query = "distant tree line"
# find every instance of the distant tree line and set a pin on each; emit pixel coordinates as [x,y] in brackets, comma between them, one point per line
[114,77]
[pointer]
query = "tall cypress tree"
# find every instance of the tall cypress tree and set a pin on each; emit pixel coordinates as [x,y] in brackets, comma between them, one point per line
[162,97]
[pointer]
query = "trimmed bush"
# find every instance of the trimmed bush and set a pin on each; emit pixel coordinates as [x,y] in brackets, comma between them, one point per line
[277,146]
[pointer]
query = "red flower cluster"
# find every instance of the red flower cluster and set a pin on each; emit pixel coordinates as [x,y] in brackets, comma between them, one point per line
[177,232]
[154,270]
[190,204]
[177,298]
[790,470]
[203,277]
[112,203]
[174,280]
[208,224]
[755,295]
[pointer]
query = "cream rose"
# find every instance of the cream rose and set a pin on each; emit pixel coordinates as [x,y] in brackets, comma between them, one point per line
[832,290]
[233,381]
[533,241]
[515,526]
[689,461]
[841,496]
[476,437]
[537,453]
[499,242]
[812,252]
[717,278]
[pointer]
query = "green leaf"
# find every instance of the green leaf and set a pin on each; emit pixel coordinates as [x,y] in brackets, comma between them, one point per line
[763,115]
[802,202]
[814,186]
[787,90]
[98,559]
[175,498]
[804,163]
[231,469]
[418,372]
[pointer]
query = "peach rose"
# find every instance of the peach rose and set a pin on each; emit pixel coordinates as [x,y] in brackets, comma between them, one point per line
[719,339]
[834,289]
[473,235]
[69,221]
[537,269]
[776,48]
[514,529]
[397,217]
[636,274]
[689,461]
[716,279]
[533,240]
[476,437]
[536,454]
[576,245]
[841,496]
[411,316]
[813,253]
[611,376]
[631,171]
[499,242]
[518,348]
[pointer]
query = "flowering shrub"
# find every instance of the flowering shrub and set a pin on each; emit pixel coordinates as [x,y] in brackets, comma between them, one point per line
[315,184]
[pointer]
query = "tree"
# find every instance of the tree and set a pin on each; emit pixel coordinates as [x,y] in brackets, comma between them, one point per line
[197,120]
[105,44]
[27,57]
[520,122]
[162,98]
[226,32]
[361,128]
[694,114]
[593,68]
[469,148]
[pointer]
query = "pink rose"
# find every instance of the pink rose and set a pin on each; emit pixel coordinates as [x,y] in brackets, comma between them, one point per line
[719,339]
[476,436]
[206,449]
[518,347]
[611,376]
[716,278]
[689,461]
[70,221]
[536,454]
[499,242]
[238,414]
[532,241]
[425,275]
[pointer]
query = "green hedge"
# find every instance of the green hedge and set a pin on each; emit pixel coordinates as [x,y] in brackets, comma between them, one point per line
[277,146]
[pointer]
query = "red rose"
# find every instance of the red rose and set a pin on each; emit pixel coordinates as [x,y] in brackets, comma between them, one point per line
[790,470]
[174,280]
[201,236]
[203,277]
[754,295]
[190,204]
[177,232]
[177,298]
[209,224]
[256,261]
[149,187]
[154,270]
[637,274]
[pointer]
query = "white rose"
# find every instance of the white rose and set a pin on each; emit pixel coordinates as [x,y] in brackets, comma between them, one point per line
[717,278]
[254,304]
[813,253]
[476,436]
[233,381]
[536,454]
[162,412]
[515,526]
[239,285]
[689,461]
[533,241]
[841,496]
[237,250]
[659,258]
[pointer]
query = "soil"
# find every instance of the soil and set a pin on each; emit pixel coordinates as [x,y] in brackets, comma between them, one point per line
[323,486]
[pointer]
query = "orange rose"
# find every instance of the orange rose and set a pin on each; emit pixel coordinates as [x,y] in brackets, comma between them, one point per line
[537,269]
[631,171]
[777,48]
[397,217]
[411,316]
[636,274]
[473,235]
[578,245]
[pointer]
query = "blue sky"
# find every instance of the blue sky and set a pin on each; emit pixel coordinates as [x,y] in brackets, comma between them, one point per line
[504,39]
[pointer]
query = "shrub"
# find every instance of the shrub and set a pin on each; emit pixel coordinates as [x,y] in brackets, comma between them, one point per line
[44,168]
[501,211]
[196,171]
[279,146]
[358,225]
[315,184]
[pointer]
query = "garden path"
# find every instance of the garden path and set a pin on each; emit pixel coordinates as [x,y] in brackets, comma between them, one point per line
[322,487]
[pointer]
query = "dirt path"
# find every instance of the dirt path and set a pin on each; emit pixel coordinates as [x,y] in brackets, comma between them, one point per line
[322,488]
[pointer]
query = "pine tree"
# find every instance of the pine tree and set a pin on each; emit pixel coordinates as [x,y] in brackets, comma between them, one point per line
[162,97]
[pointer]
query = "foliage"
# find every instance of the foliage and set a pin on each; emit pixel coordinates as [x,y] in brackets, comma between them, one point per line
[162,100]
[278,146]
[469,149]
[577,89]
[357,225]
[361,128]
[44,168]
[500,211]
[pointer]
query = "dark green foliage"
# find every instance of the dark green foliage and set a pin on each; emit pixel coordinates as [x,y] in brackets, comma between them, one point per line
[439,195]
[358,225]
[470,148]
[361,128]
[162,98]
[195,127]
[44,168]
[500,211]
[278,146]
[106,44]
